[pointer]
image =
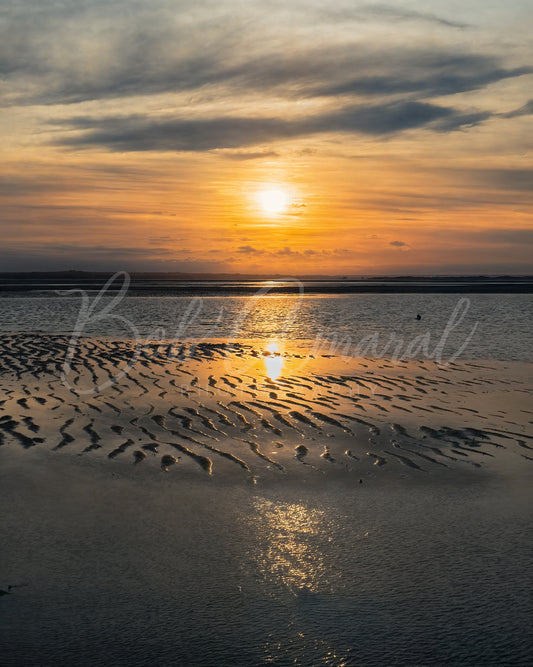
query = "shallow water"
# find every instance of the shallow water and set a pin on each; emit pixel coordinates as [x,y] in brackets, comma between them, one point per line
[493,326]
[151,571]
[286,560]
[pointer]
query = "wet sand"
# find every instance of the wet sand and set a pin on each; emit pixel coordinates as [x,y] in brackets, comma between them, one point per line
[215,462]
[220,409]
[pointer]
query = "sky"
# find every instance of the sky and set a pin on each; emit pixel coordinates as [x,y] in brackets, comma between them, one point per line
[288,137]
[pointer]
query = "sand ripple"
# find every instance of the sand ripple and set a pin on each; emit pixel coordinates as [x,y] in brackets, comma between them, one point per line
[213,407]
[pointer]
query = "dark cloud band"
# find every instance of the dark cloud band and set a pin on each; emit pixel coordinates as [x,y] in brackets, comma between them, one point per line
[136,133]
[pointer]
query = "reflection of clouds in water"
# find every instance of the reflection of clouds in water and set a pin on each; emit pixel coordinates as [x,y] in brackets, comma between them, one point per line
[289,536]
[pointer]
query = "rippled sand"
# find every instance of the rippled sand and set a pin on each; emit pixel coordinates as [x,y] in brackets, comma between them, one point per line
[314,501]
[258,411]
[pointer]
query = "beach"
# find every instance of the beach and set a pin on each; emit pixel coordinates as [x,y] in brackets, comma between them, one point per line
[244,503]
[266,364]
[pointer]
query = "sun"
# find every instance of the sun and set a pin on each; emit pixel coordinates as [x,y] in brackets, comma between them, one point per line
[273,201]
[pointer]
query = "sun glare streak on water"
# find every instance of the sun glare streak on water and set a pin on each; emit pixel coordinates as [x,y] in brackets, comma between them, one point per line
[342,323]
[290,554]
[273,361]
[291,560]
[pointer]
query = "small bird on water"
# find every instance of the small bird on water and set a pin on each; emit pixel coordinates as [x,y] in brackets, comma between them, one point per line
[418,316]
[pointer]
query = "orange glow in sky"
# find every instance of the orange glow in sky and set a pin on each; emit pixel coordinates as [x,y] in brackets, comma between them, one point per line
[384,142]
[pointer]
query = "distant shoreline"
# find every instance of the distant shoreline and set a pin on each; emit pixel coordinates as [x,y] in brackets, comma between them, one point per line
[150,284]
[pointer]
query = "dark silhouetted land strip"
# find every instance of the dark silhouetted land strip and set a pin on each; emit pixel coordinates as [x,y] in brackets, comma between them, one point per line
[181,284]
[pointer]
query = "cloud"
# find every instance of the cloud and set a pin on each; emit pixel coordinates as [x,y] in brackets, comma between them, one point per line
[286,251]
[250,250]
[526,110]
[460,120]
[312,71]
[138,133]
[425,75]
[108,251]
[392,13]
[297,207]
[54,256]
[392,117]
[472,238]
[250,155]
[516,236]
[342,12]
[57,53]
[512,180]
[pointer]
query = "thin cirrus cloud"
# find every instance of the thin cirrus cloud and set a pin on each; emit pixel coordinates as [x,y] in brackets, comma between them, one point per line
[311,72]
[385,11]
[343,11]
[87,51]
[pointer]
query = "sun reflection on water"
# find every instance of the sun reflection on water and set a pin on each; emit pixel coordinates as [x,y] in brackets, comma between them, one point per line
[292,557]
[273,360]
[289,534]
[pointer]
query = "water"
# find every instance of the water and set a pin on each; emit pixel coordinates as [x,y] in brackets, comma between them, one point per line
[133,572]
[126,565]
[493,326]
